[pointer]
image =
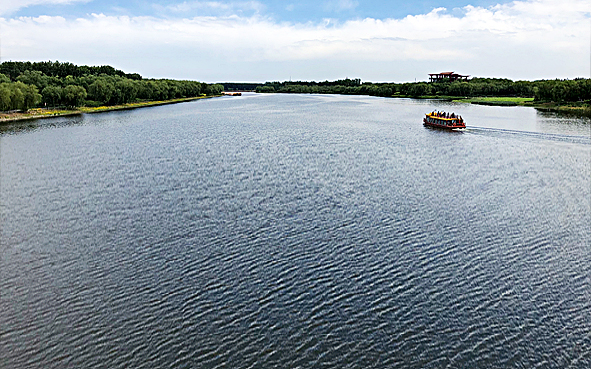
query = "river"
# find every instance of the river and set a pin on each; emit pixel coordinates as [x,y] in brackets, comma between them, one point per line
[292,231]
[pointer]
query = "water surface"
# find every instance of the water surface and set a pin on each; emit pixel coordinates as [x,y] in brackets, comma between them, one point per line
[296,231]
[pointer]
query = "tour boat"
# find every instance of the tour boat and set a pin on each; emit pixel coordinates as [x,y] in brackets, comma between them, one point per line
[443,120]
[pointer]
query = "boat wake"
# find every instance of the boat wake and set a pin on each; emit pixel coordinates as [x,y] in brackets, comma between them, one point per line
[585,140]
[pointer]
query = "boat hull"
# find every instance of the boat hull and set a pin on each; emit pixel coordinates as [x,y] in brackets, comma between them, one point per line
[436,124]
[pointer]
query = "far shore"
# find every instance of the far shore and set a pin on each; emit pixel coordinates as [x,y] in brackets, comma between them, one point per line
[573,108]
[40,113]
[518,101]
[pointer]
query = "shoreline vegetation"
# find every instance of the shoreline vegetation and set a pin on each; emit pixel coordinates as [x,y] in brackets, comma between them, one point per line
[41,113]
[577,109]
[565,96]
[47,89]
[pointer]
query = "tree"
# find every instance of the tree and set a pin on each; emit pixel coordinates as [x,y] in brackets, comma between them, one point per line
[52,95]
[419,89]
[70,80]
[31,96]
[215,89]
[17,98]
[265,89]
[101,90]
[460,89]
[584,88]
[145,90]
[127,90]
[103,84]
[34,77]
[74,95]
[61,70]
[5,96]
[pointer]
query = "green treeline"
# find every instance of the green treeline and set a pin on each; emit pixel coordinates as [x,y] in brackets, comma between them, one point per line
[24,85]
[61,70]
[559,91]
[240,86]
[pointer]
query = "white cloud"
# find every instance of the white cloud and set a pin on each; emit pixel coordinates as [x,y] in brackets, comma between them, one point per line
[520,40]
[10,6]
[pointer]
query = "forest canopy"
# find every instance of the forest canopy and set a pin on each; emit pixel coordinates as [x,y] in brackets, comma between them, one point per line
[24,85]
[559,91]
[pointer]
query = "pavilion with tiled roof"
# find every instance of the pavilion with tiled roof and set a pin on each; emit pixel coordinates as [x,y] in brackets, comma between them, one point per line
[446,76]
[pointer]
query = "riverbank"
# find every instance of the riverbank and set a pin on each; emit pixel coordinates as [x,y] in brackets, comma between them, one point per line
[583,109]
[572,108]
[39,113]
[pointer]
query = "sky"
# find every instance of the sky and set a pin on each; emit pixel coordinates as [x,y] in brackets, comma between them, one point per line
[271,40]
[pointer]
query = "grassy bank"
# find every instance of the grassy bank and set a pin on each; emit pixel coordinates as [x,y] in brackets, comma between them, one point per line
[39,113]
[498,101]
[581,108]
[578,108]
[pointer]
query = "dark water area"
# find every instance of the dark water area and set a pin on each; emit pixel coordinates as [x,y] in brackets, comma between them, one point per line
[296,231]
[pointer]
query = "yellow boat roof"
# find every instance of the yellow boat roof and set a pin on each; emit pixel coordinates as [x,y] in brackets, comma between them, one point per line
[435,116]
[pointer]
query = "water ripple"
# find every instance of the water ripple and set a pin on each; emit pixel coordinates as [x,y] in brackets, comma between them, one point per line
[317,234]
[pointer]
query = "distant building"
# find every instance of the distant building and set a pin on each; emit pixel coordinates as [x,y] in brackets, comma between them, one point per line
[446,76]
